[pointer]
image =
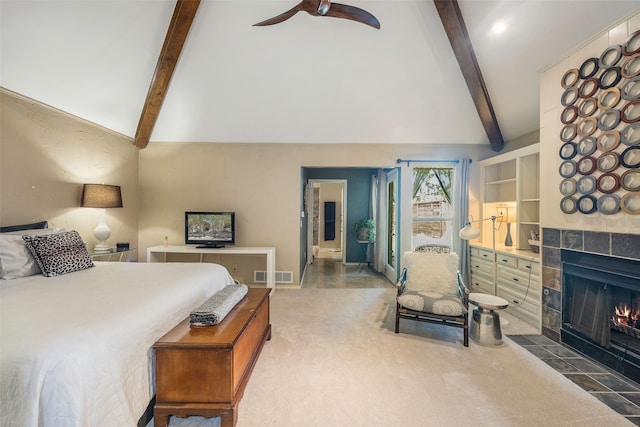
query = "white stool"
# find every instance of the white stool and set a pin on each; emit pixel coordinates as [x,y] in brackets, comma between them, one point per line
[485,324]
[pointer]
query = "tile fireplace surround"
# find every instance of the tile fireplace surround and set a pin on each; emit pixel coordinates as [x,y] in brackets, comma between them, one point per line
[554,241]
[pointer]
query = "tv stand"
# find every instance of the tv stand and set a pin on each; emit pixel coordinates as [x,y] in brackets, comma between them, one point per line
[209,246]
[159,254]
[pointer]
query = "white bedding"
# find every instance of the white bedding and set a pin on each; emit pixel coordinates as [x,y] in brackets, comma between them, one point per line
[75,350]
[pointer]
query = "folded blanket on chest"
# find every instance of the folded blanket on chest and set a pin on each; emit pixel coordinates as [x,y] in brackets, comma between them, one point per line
[214,310]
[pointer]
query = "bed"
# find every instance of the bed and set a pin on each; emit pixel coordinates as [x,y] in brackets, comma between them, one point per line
[76,348]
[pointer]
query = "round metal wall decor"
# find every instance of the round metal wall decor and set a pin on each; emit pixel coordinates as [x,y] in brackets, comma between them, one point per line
[609,140]
[630,89]
[610,77]
[630,203]
[630,158]
[587,204]
[589,68]
[569,114]
[608,162]
[586,165]
[586,185]
[609,119]
[608,183]
[610,56]
[568,205]
[568,132]
[632,45]
[567,169]
[630,67]
[630,135]
[587,146]
[630,113]
[568,187]
[609,204]
[587,126]
[600,135]
[571,77]
[588,87]
[587,106]
[568,151]
[630,180]
[570,96]
[609,98]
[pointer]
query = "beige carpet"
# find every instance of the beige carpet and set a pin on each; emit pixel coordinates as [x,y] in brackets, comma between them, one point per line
[334,360]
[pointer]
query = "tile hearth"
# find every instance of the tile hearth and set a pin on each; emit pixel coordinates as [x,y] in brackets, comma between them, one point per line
[619,393]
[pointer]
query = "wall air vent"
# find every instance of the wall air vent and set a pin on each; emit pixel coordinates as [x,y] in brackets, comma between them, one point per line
[281,276]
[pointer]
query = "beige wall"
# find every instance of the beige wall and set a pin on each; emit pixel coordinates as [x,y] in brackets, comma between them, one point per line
[550,127]
[261,183]
[46,156]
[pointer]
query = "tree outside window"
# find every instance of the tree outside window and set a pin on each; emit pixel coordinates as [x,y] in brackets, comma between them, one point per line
[432,208]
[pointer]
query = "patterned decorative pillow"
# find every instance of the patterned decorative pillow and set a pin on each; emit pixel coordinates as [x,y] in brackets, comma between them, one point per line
[432,302]
[60,253]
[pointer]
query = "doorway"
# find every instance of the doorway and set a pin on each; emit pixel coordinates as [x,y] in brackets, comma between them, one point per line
[326,237]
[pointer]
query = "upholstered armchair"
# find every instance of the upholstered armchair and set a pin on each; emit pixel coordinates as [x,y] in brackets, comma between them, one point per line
[431,290]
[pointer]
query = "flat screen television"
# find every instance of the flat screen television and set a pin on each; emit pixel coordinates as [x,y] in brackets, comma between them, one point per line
[209,229]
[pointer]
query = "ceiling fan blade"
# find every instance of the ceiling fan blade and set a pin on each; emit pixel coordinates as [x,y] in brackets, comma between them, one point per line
[353,13]
[282,17]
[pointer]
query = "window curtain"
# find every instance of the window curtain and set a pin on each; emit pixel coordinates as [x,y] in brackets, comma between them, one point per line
[463,215]
[378,211]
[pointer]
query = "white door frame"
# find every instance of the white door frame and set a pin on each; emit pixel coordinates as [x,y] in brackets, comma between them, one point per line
[390,270]
[343,213]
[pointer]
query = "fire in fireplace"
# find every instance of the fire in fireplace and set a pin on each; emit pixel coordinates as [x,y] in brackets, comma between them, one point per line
[625,319]
[601,308]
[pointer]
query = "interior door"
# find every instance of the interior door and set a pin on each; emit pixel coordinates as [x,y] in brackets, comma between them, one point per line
[393,215]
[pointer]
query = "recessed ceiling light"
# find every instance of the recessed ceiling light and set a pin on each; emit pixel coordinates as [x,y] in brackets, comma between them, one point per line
[499,27]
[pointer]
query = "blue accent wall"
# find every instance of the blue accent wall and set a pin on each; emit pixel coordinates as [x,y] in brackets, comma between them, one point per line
[358,200]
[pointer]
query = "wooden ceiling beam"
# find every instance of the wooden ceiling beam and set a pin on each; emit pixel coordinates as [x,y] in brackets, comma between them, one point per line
[183,15]
[454,26]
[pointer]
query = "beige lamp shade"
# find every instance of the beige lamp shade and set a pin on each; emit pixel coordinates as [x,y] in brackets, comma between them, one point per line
[101,196]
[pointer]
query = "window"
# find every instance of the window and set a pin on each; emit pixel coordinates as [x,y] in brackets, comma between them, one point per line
[432,206]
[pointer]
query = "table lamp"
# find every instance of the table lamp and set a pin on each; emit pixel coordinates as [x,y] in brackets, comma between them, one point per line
[101,196]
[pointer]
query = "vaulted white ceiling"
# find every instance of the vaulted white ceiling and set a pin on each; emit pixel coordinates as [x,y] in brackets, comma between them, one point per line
[309,79]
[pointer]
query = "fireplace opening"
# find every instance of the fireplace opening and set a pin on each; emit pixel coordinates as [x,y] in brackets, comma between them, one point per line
[601,307]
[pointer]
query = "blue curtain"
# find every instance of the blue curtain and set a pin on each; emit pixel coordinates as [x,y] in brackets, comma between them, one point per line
[463,206]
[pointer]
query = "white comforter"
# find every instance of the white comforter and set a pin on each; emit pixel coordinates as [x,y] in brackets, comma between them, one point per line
[75,350]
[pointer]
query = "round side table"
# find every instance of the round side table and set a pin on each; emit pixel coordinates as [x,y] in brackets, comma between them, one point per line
[485,324]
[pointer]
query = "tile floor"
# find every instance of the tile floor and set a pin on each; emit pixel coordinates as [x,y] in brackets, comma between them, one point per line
[332,274]
[616,391]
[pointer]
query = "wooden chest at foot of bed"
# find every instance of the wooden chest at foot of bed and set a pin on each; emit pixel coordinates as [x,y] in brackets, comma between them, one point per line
[203,371]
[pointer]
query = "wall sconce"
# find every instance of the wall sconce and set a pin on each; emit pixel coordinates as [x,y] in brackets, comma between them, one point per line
[101,196]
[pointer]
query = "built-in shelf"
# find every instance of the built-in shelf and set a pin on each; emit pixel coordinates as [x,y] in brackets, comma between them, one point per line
[511,183]
[503,181]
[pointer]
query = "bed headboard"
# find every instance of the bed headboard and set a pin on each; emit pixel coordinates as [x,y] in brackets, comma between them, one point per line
[20,227]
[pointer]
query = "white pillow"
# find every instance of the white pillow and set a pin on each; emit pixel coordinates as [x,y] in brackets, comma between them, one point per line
[16,260]
[432,271]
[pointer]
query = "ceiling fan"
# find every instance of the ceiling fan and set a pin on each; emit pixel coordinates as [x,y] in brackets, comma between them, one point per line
[325,8]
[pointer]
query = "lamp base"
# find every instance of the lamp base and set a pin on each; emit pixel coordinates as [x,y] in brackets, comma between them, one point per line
[507,240]
[102,247]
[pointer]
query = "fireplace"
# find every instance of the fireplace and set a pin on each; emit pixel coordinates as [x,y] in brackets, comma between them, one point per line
[601,306]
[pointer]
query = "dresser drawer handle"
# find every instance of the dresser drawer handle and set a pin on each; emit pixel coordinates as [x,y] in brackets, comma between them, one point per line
[515,279]
[505,260]
[527,266]
[485,255]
